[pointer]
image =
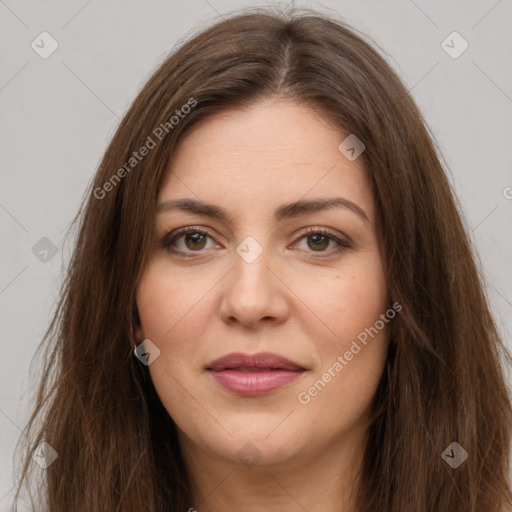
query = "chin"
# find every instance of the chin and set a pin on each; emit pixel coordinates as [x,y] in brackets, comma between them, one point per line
[264,452]
[257,440]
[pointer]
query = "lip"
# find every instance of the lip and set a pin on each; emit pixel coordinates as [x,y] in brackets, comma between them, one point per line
[254,374]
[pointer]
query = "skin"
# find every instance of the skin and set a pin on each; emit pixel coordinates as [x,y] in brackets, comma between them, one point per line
[300,299]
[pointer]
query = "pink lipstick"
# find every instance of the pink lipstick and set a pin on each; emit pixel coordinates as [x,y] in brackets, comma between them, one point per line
[254,374]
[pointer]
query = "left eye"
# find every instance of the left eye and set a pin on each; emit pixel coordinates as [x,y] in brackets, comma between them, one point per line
[319,240]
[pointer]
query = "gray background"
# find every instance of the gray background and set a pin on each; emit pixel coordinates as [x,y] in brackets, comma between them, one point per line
[59,113]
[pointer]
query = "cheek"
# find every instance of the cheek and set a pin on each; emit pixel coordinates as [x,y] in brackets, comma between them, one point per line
[166,300]
[361,302]
[175,311]
[354,354]
[342,304]
[170,309]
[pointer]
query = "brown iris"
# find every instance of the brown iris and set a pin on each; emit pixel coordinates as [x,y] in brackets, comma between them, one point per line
[198,240]
[318,237]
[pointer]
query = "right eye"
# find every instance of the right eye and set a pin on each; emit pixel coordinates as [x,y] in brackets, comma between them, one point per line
[191,239]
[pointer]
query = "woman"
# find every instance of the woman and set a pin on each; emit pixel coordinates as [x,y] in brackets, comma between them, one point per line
[272,303]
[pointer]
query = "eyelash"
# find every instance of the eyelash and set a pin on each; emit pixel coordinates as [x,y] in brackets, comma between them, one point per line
[169,239]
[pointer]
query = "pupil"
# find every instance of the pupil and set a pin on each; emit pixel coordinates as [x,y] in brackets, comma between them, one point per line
[317,237]
[196,239]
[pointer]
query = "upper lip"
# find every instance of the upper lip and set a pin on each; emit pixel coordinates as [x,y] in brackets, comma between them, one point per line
[261,360]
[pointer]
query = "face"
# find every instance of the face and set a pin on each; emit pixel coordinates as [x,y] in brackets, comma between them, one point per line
[252,276]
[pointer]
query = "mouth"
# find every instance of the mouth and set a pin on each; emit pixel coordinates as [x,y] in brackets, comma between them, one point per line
[254,375]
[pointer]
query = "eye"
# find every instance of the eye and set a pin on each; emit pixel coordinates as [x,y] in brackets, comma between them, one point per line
[318,240]
[194,240]
[190,239]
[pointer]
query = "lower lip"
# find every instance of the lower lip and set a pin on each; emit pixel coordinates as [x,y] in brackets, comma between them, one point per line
[254,383]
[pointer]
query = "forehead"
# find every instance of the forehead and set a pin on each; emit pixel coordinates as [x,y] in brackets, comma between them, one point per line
[277,151]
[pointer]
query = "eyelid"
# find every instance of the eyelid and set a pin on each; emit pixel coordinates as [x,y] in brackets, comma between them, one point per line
[343,242]
[174,235]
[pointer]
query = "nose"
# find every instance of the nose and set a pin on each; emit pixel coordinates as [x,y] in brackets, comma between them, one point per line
[254,293]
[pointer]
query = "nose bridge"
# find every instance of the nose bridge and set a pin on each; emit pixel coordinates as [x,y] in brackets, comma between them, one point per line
[251,273]
[252,291]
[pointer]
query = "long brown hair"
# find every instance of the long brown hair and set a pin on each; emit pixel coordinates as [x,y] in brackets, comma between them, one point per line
[444,381]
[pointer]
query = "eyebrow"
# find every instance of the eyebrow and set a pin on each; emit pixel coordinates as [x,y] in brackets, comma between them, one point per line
[285,211]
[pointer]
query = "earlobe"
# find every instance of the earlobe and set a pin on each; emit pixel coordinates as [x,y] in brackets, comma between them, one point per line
[137,337]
